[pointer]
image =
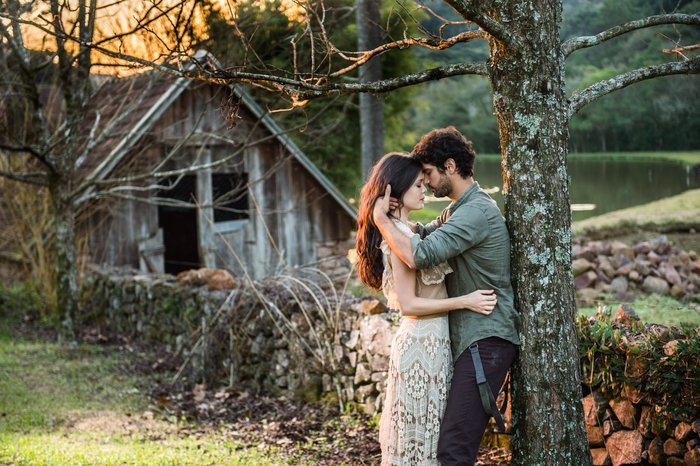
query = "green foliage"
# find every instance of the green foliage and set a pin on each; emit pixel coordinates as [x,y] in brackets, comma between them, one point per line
[630,360]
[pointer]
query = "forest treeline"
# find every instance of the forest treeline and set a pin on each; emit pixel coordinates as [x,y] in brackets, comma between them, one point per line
[659,114]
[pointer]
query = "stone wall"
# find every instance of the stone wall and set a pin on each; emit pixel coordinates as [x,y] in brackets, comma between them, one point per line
[623,432]
[278,337]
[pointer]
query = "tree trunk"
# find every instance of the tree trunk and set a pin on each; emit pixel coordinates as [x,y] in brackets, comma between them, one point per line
[369,36]
[66,263]
[528,85]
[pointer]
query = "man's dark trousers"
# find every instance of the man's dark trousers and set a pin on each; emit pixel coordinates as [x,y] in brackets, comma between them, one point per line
[465,421]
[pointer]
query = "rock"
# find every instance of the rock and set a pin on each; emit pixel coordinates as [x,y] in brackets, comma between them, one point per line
[634,276]
[593,408]
[655,285]
[351,342]
[671,347]
[645,422]
[595,436]
[656,452]
[661,245]
[696,426]
[677,291]
[672,447]
[617,247]
[673,461]
[625,447]
[362,392]
[642,247]
[644,267]
[683,432]
[215,279]
[378,363]
[693,443]
[580,266]
[625,411]
[611,426]
[605,266]
[585,280]
[376,335]
[600,457]
[362,373]
[371,306]
[619,285]
[626,315]
[670,274]
[692,457]
[371,405]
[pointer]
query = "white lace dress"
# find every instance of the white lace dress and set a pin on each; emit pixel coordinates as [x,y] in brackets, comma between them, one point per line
[420,369]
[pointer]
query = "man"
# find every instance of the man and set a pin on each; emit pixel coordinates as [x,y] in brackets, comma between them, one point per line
[471,236]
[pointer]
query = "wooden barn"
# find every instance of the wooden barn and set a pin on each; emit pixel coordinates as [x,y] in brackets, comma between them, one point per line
[255,204]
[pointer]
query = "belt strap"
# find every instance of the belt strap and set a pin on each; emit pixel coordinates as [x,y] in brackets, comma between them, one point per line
[485,393]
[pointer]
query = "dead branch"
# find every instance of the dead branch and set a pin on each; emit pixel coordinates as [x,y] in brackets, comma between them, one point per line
[471,12]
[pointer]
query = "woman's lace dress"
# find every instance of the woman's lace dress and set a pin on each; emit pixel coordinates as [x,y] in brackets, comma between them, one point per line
[420,369]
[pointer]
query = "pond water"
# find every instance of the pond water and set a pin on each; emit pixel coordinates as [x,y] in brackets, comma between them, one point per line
[600,186]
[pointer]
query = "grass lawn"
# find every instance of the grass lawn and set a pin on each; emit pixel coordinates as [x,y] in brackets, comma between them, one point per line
[80,407]
[683,209]
[656,309]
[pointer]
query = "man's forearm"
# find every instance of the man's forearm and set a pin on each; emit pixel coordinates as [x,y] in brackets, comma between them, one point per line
[399,243]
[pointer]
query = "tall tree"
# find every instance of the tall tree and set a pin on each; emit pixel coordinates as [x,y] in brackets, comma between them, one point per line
[369,36]
[525,68]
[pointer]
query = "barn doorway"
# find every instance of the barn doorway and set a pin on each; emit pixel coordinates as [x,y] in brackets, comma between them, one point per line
[179,225]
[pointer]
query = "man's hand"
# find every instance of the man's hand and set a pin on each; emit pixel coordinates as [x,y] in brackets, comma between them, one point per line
[382,206]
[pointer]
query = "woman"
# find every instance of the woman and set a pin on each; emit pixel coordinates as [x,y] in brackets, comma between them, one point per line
[420,365]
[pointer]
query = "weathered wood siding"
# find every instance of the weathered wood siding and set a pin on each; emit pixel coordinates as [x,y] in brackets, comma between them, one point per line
[290,213]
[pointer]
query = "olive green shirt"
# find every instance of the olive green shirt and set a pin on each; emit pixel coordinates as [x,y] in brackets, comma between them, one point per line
[471,235]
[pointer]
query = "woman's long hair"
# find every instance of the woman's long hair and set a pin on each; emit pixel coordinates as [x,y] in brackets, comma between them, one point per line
[400,171]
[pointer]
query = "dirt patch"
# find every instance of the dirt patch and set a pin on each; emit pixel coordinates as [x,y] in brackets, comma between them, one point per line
[111,423]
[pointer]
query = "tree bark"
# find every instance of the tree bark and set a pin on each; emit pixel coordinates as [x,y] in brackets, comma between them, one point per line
[369,36]
[532,114]
[67,293]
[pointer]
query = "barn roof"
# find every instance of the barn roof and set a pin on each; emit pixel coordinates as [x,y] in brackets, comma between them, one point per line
[157,95]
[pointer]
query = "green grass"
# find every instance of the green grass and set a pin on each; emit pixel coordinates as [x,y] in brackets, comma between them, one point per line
[657,309]
[682,209]
[63,406]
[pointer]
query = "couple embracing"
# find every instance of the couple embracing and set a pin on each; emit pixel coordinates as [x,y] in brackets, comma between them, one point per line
[450,280]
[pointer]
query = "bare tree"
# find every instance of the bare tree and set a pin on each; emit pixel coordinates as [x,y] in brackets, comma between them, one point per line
[526,71]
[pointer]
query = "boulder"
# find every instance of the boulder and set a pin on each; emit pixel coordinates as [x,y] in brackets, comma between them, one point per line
[683,432]
[677,291]
[214,279]
[670,274]
[655,285]
[376,335]
[692,457]
[619,285]
[656,452]
[362,373]
[600,457]
[625,447]
[580,266]
[617,247]
[595,436]
[594,406]
[673,447]
[645,422]
[625,411]
[585,280]
[371,306]
[610,426]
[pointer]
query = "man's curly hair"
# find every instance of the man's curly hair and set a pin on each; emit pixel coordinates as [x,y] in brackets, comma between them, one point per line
[440,144]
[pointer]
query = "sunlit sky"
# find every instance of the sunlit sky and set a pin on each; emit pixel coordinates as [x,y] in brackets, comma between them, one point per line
[121,16]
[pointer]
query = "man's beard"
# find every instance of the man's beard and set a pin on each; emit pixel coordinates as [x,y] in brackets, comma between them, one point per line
[443,188]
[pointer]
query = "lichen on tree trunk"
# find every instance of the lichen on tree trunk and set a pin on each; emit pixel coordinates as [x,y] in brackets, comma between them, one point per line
[532,115]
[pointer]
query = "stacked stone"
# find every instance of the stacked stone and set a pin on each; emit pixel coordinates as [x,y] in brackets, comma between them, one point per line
[621,432]
[649,266]
[332,260]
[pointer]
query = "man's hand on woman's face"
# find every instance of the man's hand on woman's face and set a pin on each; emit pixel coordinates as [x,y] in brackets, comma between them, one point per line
[382,206]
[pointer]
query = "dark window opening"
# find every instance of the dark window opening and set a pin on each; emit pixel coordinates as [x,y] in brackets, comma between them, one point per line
[230,194]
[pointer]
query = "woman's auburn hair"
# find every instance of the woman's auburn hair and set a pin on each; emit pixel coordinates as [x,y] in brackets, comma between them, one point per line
[400,171]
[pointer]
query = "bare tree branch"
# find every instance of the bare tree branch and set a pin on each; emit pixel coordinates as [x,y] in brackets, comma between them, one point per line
[37,178]
[470,11]
[583,42]
[582,98]
[29,150]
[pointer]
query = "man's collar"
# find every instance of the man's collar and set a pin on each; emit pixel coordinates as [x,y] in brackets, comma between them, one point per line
[465,196]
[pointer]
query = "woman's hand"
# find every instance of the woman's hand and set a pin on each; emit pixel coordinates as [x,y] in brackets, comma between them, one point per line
[480,301]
